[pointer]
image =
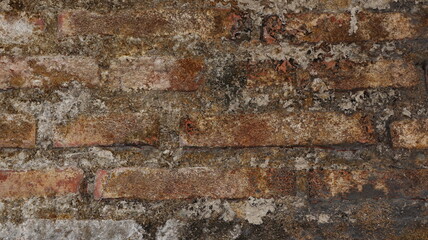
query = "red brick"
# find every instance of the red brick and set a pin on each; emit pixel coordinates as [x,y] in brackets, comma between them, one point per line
[338,75]
[113,129]
[156,73]
[19,29]
[411,134]
[342,184]
[275,129]
[335,28]
[207,24]
[17,131]
[39,183]
[47,71]
[162,184]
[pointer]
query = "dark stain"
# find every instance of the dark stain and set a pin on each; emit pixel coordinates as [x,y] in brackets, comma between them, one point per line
[368,192]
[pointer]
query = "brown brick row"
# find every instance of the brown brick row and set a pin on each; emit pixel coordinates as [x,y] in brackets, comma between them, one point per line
[276,129]
[125,73]
[207,24]
[47,71]
[338,75]
[39,183]
[113,129]
[163,184]
[342,27]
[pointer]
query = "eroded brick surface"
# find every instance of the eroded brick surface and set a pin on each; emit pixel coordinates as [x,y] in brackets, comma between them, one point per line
[15,29]
[207,24]
[305,128]
[113,129]
[47,71]
[335,28]
[338,75]
[410,134]
[156,73]
[357,184]
[161,184]
[39,183]
[17,131]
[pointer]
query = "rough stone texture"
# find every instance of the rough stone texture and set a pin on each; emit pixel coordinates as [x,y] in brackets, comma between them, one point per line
[19,29]
[47,71]
[156,73]
[124,129]
[72,229]
[92,77]
[39,183]
[330,184]
[410,134]
[17,131]
[305,128]
[162,184]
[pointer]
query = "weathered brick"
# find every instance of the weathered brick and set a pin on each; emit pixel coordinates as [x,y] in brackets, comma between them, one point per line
[39,183]
[338,75]
[47,71]
[19,29]
[275,129]
[335,28]
[113,129]
[156,73]
[17,131]
[161,184]
[357,184]
[207,24]
[411,134]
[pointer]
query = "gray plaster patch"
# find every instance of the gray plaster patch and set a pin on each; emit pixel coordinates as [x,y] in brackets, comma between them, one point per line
[72,229]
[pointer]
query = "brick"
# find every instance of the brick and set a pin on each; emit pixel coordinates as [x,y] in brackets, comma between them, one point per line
[275,129]
[412,134]
[19,29]
[39,183]
[338,75]
[162,184]
[207,24]
[347,75]
[72,229]
[17,131]
[357,184]
[47,71]
[112,129]
[156,73]
[336,28]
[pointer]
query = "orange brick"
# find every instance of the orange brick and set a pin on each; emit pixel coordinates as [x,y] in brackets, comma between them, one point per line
[207,24]
[156,73]
[39,183]
[275,129]
[357,184]
[162,184]
[47,71]
[17,131]
[411,134]
[113,129]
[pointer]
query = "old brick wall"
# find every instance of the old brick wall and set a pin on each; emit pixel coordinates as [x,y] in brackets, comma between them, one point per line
[214,119]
